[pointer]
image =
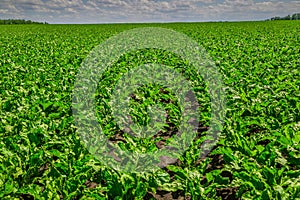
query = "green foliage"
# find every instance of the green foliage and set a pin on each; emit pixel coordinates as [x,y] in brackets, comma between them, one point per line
[295,16]
[257,156]
[19,21]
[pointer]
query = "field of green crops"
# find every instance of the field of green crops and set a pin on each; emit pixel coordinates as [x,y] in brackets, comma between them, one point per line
[257,155]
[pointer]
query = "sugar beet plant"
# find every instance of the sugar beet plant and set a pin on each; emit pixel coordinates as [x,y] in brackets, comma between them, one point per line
[257,155]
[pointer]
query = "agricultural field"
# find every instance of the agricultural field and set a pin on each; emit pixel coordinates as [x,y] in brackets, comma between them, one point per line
[257,155]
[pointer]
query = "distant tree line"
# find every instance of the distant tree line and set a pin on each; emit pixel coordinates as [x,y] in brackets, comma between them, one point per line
[19,21]
[295,16]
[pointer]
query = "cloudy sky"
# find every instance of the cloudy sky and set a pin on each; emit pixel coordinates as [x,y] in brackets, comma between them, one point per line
[111,11]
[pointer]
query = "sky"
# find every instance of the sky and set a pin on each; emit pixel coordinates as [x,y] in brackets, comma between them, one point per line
[124,11]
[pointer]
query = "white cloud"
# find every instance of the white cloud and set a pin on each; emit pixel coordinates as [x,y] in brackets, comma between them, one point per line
[147,10]
[7,7]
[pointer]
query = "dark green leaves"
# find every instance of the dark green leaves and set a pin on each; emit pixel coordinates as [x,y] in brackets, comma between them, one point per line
[41,156]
